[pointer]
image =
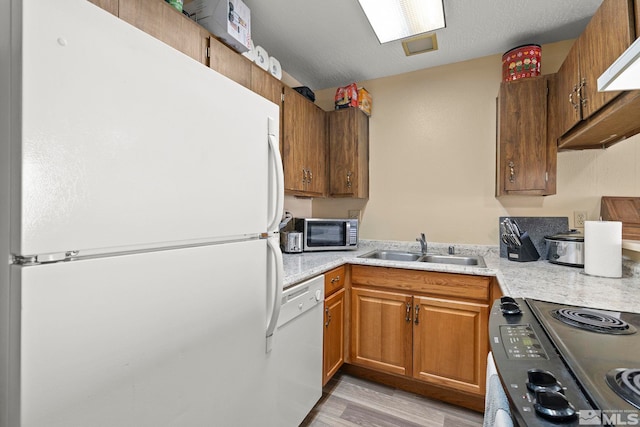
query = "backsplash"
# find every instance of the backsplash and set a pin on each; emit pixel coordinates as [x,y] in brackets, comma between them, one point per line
[537,227]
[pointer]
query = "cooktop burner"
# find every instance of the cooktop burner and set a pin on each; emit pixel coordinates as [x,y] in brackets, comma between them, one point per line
[593,321]
[626,383]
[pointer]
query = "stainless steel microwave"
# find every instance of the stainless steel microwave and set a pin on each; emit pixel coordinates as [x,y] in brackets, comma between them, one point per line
[328,234]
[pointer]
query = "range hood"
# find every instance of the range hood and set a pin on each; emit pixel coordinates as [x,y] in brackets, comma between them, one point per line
[624,73]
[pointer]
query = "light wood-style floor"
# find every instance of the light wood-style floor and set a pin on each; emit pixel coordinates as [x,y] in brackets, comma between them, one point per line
[348,401]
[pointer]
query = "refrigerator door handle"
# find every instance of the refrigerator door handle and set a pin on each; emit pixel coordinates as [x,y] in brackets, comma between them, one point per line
[277,190]
[276,289]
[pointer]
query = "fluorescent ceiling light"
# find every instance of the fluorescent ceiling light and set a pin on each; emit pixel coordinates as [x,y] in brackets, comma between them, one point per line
[398,19]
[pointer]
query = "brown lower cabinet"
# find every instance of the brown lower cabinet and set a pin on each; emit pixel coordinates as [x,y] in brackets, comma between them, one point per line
[428,327]
[450,343]
[334,318]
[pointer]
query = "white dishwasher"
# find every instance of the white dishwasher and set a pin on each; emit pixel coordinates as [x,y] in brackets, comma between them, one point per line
[297,352]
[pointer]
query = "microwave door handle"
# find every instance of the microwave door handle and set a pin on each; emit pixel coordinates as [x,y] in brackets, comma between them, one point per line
[347,233]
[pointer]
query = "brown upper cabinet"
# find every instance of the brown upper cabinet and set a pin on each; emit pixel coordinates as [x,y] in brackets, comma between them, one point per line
[588,118]
[110,6]
[227,62]
[304,154]
[265,85]
[349,153]
[525,157]
[162,21]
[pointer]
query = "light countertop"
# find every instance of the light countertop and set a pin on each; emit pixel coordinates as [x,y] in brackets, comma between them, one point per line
[538,280]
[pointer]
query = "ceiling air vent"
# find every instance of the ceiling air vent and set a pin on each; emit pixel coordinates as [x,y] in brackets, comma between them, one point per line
[420,44]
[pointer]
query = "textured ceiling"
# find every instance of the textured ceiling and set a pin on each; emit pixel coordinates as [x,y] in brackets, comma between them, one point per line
[329,43]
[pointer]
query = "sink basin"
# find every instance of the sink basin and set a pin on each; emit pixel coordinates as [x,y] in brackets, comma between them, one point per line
[454,259]
[477,261]
[393,255]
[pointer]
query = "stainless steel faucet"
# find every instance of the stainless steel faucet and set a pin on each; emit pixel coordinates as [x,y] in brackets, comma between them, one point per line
[423,243]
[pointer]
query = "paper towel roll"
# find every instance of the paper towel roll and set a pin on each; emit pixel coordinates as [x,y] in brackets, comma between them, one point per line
[603,248]
[274,68]
[262,58]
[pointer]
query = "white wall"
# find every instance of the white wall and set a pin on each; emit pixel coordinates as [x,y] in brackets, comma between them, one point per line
[432,158]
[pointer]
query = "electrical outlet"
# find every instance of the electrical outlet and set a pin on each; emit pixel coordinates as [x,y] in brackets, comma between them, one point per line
[355,214]
[579,217]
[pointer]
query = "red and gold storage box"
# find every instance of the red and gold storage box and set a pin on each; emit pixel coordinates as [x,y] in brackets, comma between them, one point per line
[521,62]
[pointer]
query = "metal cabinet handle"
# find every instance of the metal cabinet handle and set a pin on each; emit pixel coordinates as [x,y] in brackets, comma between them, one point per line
[408,317]
[335,279]
[310,176]
[328,313]
[416,320]
[512,172]
[349,179]
[583,99]
[575,105]
[304,176]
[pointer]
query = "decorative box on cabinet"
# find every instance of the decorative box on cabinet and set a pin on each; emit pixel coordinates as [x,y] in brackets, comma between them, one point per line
[349,153]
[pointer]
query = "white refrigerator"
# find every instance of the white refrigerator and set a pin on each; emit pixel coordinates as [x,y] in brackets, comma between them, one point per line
[140,198]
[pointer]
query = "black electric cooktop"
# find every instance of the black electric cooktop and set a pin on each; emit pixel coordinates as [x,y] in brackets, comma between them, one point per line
[585,362]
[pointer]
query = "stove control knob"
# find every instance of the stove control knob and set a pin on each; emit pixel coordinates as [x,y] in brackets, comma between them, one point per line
[510,308]
[541,380]
[553,405]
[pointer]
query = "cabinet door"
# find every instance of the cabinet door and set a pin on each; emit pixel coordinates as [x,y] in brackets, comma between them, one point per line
[522,137]
[316,150]
[450,343]
[334,280]
[381,325]
[110,6]
[637,19]
[165,23]
[609,33]
[265,85]
[293,130]
[333,349]
[568,111]
[304,146]
[349,153]
[229,63]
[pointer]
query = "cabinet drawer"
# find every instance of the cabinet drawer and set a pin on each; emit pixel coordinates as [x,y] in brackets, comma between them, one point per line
[424,282]
[334,280]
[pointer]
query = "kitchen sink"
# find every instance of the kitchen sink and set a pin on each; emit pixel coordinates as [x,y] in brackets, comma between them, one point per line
[477,261]
[393,255]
